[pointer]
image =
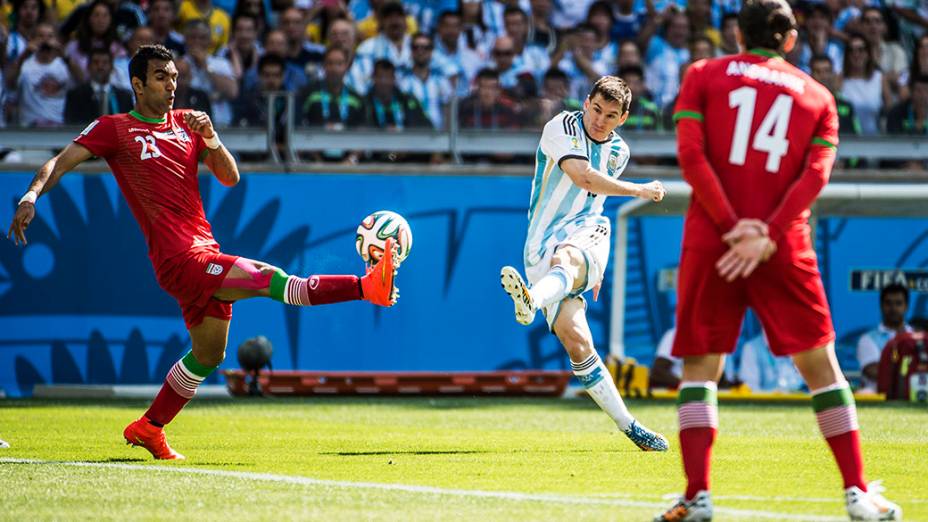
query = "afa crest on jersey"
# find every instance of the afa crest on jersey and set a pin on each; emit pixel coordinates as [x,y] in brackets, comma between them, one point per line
[616,159]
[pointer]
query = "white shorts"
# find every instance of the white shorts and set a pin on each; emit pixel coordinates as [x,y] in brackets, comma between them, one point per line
[593,242]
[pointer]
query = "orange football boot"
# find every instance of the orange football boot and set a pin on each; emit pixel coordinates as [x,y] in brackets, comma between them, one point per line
[377,284]
[145,434]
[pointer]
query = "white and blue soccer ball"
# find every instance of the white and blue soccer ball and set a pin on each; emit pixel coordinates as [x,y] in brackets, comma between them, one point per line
[373,232]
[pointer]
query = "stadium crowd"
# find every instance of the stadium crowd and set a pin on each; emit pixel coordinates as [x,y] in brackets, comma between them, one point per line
[509,63]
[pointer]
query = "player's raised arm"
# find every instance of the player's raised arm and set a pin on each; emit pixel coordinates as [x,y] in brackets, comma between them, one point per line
[45,179]
[218,158]
[586,177]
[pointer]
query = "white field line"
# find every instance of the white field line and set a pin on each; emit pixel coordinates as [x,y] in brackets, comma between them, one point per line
[751,498]
[501,495]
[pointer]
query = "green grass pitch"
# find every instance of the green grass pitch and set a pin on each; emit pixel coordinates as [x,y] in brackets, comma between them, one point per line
[433,459]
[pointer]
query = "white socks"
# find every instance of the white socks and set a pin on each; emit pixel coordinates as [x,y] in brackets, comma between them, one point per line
[599,384]
[552,288]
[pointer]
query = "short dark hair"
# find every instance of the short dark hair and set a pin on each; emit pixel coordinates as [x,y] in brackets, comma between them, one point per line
[151,3]
[487,73]
[821,58]
[765,23]
[613,89]
[448,13]
[555,74]
[99,50]
[420,34]
[514,9]
[391,8]
[894,288]
[138,65]
[728,16]
[243,16]
[383,63]
[822,9]
[635,70]
[271,59]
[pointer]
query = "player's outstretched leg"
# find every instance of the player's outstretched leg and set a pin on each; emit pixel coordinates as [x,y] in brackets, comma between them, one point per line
[574,333]
[515,286]
[376,286]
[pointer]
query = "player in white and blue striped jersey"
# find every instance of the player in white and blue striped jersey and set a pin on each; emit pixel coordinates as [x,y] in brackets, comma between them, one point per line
[579,160]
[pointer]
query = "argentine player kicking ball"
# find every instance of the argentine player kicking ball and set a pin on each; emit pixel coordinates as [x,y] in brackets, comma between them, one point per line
[579,159]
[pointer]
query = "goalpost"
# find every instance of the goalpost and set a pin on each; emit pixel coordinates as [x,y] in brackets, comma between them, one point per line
[837,199]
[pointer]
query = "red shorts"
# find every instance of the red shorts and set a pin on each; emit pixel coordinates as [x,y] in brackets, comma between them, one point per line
[786,293]
[192,278]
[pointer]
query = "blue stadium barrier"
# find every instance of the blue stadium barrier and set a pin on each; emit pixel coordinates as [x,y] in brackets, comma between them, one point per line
[80,305]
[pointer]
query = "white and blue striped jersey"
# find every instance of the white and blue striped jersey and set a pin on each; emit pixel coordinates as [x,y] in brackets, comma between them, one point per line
[558,207]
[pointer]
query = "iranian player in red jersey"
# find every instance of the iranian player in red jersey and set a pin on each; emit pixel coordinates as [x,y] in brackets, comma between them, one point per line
[154,152]
[756,140]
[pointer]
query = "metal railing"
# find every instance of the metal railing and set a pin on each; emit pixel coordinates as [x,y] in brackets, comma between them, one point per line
[454,141]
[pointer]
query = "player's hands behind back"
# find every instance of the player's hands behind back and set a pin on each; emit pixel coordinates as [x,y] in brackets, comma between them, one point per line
[654,191]
[200,123]
[24,215]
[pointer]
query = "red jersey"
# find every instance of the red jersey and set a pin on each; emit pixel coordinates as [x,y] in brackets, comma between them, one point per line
[756,139]
[155,164]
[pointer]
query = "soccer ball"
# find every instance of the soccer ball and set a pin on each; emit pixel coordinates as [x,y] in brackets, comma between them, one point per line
[374,231]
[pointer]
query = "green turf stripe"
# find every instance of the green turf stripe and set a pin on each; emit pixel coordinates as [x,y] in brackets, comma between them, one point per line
[679,115]
[278,285]
[832,399]
[821,141]
[193,365]
[697,395]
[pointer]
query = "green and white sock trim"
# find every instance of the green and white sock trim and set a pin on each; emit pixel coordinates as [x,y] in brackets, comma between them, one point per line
[698,405]
[835,409]
[187,374]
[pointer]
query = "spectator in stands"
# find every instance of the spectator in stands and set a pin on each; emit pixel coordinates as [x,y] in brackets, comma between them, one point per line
[627,20]
[817,37]
[579,61]
[666,370]
[864,85]
[243,49]
[251,109]
[665,55]
[518,83]
[554,98]
[42,78]
[894,305]
[919,63]
[126,15]
[599,17]
[540,32]
[343,34]
[98,96]
[186,96]
[217,21]
[911,116]
[487,108]
[530,58]
[760,370]
[390,108]
[95,31]
[391,43]
[643,114]
[26,16]
[255,9]
[370,25]
[890,57]
[426,81]
[162,16]
[295,77]
[822,70]
[699,13]
[728,35]
[569,14]
[451,47]
[913,19]
[210,73]
[701,48]
[331,103]
[141,36]
[321,15]
[300,52]
[629,54]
